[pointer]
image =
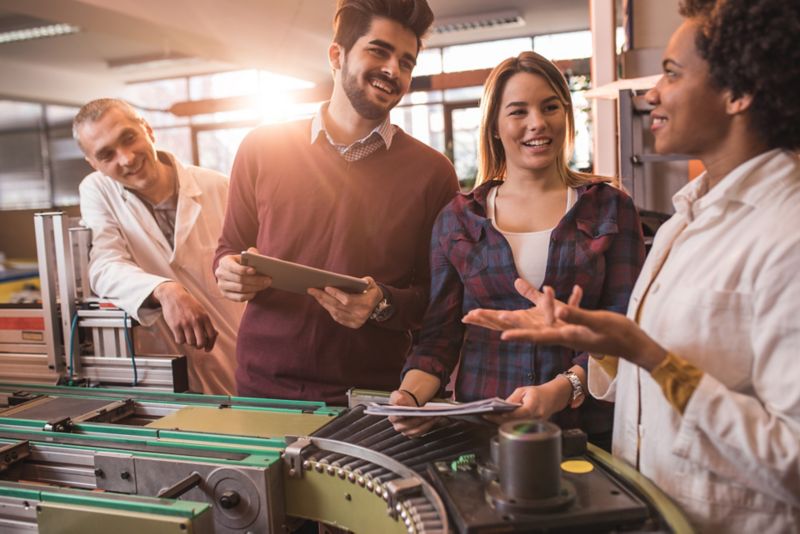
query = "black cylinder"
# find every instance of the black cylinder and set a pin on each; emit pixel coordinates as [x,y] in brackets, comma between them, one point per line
[530,459]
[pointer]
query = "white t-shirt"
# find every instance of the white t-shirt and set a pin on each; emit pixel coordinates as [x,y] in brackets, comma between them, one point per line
[529,249]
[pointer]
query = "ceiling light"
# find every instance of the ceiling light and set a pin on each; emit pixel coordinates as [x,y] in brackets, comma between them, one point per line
[496,19]
[38,32]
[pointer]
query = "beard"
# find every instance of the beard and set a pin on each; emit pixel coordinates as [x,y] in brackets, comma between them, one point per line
[358,97]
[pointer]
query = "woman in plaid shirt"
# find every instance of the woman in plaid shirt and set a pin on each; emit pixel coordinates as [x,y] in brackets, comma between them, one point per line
[529,217]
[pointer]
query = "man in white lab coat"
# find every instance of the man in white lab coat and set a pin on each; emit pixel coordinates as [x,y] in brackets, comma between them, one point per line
[155,225]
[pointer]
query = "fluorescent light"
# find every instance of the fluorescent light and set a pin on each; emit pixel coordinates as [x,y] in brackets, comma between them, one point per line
[481,21]
[39,32]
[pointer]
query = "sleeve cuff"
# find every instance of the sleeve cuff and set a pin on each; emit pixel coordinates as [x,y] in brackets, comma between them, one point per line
[678,380]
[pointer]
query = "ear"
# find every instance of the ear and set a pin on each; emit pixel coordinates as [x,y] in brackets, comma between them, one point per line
[149,130]
[335,56]
[738,105]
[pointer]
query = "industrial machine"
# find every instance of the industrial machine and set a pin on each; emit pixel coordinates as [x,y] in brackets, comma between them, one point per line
[73,336]
[79,453]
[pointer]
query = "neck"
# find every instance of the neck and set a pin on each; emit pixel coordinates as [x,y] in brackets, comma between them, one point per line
[167,176]
[528,181]
[719,163]
[343,123]
[738,144]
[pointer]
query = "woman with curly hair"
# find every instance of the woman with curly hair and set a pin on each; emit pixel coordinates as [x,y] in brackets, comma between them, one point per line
[530,216]
[704,370]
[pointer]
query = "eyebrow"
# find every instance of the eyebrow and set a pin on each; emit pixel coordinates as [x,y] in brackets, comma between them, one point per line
[667,62]
[390,47]
[99,152]
[521,103]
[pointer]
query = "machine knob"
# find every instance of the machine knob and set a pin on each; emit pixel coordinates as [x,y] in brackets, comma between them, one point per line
[229,499]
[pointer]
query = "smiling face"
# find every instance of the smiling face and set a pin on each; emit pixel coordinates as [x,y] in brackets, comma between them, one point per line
[690,114]
[121,147]
[376,72]
[531,124]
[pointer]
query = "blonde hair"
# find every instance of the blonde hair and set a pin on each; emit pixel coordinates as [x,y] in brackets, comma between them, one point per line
[491,155]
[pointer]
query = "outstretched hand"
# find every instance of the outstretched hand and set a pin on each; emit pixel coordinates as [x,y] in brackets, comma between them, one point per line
[556,323]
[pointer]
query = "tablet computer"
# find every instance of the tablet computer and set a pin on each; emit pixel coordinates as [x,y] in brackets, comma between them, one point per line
[297,278]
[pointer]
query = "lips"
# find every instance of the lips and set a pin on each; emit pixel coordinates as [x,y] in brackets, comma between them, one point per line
[657,121]
[135,170]
[383,83]
[538,142]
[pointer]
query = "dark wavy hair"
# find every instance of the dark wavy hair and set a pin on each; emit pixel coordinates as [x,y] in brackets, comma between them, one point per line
[753,47]
[353,18]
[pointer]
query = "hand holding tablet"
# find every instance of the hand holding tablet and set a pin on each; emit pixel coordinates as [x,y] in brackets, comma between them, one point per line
[297,278]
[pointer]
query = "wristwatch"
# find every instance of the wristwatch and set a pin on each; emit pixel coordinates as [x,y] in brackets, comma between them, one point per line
[383,310]
[578,395]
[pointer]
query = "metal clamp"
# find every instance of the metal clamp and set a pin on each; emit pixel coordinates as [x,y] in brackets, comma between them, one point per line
[293,456]
[58,425]
[12,453]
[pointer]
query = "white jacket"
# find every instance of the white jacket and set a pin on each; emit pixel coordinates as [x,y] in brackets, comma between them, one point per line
[130,256]
[727,299]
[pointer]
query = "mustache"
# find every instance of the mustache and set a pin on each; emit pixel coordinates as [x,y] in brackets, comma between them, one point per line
[391,82]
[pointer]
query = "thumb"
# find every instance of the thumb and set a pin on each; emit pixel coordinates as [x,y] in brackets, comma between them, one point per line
[579,316]
[527,290]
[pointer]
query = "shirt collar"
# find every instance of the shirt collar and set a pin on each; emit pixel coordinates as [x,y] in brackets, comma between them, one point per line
[385,130]
[737,186]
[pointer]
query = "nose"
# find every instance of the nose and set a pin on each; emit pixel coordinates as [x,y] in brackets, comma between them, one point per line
[125,157]
[536,121]
[391,67]
[651,96]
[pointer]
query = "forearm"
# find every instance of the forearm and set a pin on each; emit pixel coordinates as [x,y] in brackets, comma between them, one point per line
[422,386]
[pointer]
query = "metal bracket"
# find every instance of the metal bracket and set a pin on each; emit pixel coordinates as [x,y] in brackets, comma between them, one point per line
[13,453]
[293,456]
[181,486]
[58,425]
[401,489]
[109,413]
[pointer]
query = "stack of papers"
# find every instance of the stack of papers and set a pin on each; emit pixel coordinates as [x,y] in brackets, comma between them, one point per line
[494,405]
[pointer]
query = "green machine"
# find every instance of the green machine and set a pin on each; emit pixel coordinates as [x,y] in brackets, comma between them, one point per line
[76,459]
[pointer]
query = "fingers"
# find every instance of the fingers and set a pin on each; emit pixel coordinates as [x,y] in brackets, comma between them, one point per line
[527,290]
[576,296]
[413,427]
[547,305]
[485,318]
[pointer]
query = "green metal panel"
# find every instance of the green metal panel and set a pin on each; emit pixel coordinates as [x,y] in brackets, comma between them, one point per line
[55,518]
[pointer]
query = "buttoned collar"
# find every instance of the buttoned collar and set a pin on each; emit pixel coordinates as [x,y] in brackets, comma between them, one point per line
[385,131]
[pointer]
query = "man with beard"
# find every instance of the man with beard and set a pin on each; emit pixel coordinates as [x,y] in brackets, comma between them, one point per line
[348,192]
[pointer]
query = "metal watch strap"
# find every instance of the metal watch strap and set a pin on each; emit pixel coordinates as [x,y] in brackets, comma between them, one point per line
[578,394]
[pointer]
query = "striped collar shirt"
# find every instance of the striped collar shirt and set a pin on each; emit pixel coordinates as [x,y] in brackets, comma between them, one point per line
[380,136]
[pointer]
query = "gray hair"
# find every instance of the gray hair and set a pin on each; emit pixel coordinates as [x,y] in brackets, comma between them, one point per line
[94,110]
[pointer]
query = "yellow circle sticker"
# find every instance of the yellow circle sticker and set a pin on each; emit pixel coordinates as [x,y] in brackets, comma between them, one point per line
[579,467]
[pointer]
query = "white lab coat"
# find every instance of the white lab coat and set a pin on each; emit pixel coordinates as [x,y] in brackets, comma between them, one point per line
[130,256]
[727,299]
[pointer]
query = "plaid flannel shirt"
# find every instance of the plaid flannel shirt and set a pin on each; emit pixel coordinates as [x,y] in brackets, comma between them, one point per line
[598,245]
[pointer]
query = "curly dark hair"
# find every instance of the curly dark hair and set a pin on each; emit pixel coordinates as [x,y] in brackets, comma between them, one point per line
[353,18]
[752,48]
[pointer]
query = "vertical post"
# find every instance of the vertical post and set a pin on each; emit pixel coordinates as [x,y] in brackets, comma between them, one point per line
[66,289]
[604,71]
[45,251]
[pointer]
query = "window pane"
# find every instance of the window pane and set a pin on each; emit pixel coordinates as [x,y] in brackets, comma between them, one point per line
[463,94]
[582,154]
[178,141]
[217,148]
[466,124]
[482,55]
[429,62]
[570,45]
[222,84]
[66,159]
[424,122]
[22,178]
[160,94]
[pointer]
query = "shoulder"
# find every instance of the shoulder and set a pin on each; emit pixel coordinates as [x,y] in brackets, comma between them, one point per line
[278,135]
[97,184]
[602,195]
[404,142]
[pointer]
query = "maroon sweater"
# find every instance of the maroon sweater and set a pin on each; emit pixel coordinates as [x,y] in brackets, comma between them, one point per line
[303,202]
